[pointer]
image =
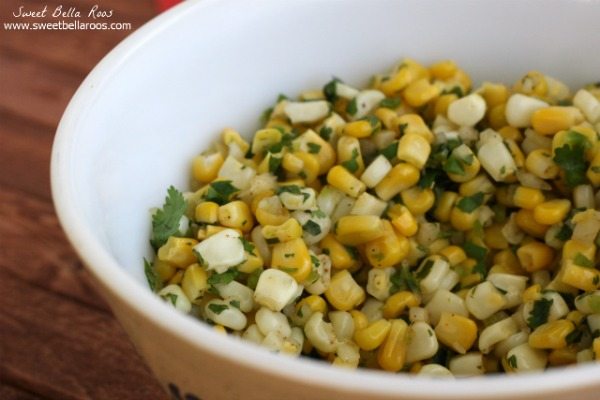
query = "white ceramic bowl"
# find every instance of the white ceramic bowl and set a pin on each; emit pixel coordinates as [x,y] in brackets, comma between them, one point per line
[162,96]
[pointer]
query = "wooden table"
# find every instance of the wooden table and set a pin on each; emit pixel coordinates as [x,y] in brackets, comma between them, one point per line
[58,339]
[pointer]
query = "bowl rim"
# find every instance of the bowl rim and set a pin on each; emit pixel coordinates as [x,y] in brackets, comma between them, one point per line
[107,271]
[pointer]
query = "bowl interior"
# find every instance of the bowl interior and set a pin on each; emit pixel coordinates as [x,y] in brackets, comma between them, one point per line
[164,95]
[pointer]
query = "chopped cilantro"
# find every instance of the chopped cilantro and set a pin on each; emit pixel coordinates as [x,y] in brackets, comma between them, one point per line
[428,178]
[315,260]
[424,270]
[403,279]
[165,221]
[326,132]
[171,297]
[575,335]
[470,203]
[512,361]
[564,233]
[266,115]
[479,254]
[220,192]
[390,150]
[330,90]
[272,240]
[281,97]
[583,261]
[235,303]
[457,90]
[314,148]
[252,280]
[390,103]
[571,158]
[352,164]
[150,275]
[248,247]
[453,165]
[312,228]
[352,107]
[540,312]
[289,270]
[223,278]
[274,163]
[217,308]
[353,251]
[293,189]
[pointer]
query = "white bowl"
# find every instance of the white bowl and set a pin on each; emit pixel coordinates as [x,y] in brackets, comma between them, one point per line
[162,95]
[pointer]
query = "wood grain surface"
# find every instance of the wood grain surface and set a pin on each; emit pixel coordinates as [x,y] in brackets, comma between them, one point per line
[58,339]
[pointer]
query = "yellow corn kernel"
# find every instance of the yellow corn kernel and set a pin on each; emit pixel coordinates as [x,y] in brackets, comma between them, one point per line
[494,238]
[564,356]
[539,162]
[549,120]
[417,200]
[359,229]
[205,167]
[528,198]
[505,195]
[231,136]
[220,329]
[164,270]
[372,336]
[207,212]
[535,256]
[362,128]
[401,177]
[397,82]
[340,178]
[291,163]
[268,214]
[457,332]
[278,123]
[512,133]
[343,292]
[528,224]
[237,215]
[285,232]
[413,124]
[563,137]
[576,317]
[258,197]
[573,247]
[403,220]
[497,116]
[194,282]
[387,250]
[414,149]
[494,94]
[516,152]
[596,347]
[420,92]
[292,257]
[551,335]
[264,139]
[392,354]
[386,116]
[593,172]
[310,166]
[461,220]
[341,257]
[468,276]
[314,302]
[509,260]
[253,262]
[444,206]
[442,103]
[463,79]
[552,211]
[349,154]
[533,83]
[454,254]
[178,251]
[584,278]
[443,70]
[359,319]
[532,293]
[399,302]
[480,183]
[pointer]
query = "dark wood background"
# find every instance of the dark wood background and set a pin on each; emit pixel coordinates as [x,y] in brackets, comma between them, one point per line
[58,339]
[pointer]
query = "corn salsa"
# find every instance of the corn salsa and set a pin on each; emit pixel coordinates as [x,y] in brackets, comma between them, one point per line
[419,224]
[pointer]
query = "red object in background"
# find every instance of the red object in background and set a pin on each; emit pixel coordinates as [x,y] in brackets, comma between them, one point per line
[166,4]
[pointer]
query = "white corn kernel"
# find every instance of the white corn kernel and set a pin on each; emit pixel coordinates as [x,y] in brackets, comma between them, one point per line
[422,342]
[484,300]
[495,158]
[221,251]
[306,112]
[432,281]
[343,324]
[376,171]
[588,104]
[366,101]
[468,110]
[305,200]
[496,333]
[513,285]
[524,358]
[520,108]
[470,364]
[253,334]
[436,371]
[237,292]
[367,204]
[445,301]
[275,289]
[173,295]
[320,333]
[224,313]
[269,321]
[240,175]
[379,284]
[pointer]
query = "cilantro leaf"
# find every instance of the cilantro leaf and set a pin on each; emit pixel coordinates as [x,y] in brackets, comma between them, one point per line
[223,278]
[351,164]
[512,361]
[392,103]
[326,132]
[252,280]
[312,228]
[457,90]
[352,107]
[390,150]
[235,303]
[150,275]
[583,261]
[293,189]
[479,254]
[217,308]
[172,298]
[428,178]
[330,90]
[453,165]
[165,221]
[470,203]
[248,247]
[540,312]
[564,233]
[220,192]
[314,148]
[571,158]
[404,279]
[274,163]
